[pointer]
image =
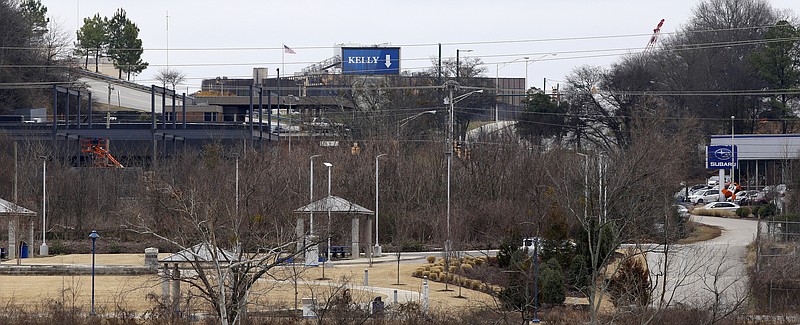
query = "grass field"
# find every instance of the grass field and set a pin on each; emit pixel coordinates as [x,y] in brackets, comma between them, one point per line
[130,292]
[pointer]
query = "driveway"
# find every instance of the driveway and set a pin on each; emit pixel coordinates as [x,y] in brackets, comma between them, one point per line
[705,274]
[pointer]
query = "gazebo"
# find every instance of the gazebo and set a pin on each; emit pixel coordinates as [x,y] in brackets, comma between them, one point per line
[339,206]
[13,213]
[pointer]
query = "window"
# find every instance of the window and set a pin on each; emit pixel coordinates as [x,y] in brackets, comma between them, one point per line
[210,116]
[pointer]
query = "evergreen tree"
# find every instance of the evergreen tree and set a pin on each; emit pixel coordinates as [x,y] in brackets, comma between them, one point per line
[36,15]
[543,118]
[778,64]
[125,46]
[92,38]
[551,282]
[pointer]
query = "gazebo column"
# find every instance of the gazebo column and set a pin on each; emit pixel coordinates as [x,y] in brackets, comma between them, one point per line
[354,236]
[368,234]
[30,238]
[12,238]
[300,233]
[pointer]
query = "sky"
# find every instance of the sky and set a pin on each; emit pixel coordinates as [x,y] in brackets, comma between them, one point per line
[208,39]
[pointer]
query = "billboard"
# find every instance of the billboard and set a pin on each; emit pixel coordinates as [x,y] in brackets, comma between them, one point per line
[371,60]
[721,157]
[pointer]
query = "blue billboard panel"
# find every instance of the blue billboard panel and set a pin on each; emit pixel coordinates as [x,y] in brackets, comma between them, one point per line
[371,60]
[721,157]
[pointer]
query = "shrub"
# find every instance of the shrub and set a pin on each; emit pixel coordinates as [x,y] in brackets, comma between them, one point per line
[507,253]
[412,247]
[452,269]
[466,267]
[767,210]
[431,259]
[631,284]
[713,213]
[479,261]
[743,212]
[579,272]
[476,284]
[552,278]
[434,276]
[426,273]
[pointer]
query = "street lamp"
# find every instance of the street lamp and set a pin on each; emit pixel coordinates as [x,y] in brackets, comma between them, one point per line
[406,120]
[458,66]
[528,62]
[314,259]
[43,250]
[329,165]
[733,153]
[378,250]
[497,85]
[311,194]
[536,279]
[94,237]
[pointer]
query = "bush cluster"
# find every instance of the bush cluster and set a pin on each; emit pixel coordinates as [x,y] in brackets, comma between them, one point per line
[458,271]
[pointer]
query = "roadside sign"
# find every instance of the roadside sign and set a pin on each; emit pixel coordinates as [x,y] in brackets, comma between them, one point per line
[721,157]
[371,60]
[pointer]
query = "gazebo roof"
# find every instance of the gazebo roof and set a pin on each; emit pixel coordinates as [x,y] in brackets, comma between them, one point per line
[8,208]
[201,253]
[334,204]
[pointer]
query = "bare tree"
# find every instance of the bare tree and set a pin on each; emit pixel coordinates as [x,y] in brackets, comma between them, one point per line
[170,76]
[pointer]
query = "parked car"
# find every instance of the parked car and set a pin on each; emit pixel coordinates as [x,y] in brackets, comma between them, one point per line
[714,180]
[750,197]
[704,196]
[727,206]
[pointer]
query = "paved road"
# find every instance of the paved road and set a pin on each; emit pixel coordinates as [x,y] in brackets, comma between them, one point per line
[709,273]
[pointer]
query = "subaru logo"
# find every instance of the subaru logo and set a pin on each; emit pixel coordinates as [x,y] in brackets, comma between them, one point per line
[723,154]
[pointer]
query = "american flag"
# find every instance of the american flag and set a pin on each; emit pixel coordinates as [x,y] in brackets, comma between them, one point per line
[287,49]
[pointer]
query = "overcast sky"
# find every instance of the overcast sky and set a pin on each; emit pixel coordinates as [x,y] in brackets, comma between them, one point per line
[207,39]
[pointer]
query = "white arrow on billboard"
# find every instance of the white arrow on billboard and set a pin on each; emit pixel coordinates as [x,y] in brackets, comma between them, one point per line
[388,60]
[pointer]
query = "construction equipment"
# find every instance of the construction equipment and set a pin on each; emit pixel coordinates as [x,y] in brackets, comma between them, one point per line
[97,148]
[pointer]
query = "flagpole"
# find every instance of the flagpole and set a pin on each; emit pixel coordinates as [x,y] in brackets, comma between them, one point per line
[283,54]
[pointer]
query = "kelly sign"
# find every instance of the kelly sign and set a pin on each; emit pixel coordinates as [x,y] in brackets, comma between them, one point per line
[721,157]
[371,60]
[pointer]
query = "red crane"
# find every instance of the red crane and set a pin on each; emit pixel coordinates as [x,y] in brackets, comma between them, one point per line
[97,148]
[654,38]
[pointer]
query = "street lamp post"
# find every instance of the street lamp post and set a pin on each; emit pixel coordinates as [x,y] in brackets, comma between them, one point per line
[329,165]
[311,194]
[43,250]
[497,85]
[378,251]
[535,280]
[733,153]
[94,237]
[314,259]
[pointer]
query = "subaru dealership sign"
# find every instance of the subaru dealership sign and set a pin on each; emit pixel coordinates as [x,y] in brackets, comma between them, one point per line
[371,60]
[721,157]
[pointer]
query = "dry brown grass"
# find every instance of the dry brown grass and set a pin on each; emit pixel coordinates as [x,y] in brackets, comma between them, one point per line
[130,292]
[700,233]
